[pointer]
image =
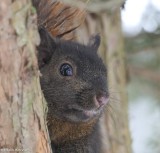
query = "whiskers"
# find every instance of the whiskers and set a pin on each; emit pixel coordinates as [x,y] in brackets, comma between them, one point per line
[110,115]
[112,108]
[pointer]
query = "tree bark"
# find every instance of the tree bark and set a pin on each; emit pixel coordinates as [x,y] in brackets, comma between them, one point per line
[22,120]
[118,133]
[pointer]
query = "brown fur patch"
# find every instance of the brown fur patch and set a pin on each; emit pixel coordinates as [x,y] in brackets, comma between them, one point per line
[62,131]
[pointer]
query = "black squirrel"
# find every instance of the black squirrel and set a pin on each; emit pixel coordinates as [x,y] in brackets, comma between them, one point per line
[74,83]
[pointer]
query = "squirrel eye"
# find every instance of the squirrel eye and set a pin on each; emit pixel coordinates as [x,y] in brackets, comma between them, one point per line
[66,70]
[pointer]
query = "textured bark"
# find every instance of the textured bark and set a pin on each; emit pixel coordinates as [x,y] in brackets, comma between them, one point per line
[115,123]
[22,120]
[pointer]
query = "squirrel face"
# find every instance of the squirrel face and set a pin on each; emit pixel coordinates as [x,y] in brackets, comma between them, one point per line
[73,78]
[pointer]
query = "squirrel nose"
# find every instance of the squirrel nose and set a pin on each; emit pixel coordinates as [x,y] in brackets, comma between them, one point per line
[101,99]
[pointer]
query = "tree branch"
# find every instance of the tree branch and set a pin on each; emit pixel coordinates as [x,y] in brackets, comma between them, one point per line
[96,6]
[146,73]
[141,42]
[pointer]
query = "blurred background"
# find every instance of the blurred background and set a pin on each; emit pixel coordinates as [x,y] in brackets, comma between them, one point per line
[141,29]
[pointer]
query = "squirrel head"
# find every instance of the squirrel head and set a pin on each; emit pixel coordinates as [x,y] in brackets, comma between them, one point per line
[73,78]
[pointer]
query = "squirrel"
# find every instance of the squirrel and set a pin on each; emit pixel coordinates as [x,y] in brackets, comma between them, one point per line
[73,80]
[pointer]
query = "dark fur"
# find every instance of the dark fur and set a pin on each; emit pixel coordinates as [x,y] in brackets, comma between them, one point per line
[70,130]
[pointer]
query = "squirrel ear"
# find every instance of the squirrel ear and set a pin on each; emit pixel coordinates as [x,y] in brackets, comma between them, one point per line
[47,41]
[46,47]
[95,41]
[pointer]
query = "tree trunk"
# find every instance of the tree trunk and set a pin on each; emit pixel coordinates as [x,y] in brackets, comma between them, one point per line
[115,123]
[22,120]
[118,133]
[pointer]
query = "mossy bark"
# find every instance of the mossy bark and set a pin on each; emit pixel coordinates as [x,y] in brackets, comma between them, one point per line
[22,120]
